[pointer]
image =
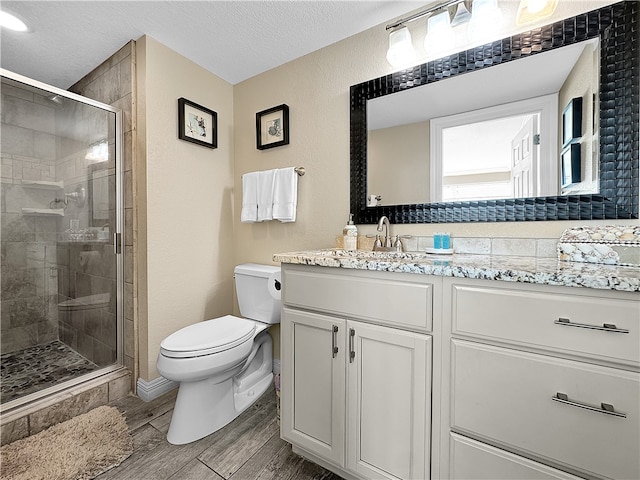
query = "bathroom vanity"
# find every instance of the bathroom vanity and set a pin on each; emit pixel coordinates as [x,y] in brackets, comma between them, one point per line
[411,366]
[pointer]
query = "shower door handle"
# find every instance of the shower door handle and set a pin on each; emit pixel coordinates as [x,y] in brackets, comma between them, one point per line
[117,243]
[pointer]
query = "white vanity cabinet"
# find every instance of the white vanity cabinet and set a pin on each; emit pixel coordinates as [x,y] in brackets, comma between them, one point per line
[356,370]
[544,381]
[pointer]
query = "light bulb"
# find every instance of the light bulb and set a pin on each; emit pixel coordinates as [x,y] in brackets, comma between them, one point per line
[533,10]
[12,22]
[536,6]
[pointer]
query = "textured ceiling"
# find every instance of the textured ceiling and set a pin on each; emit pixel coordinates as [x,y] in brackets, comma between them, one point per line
[235,40]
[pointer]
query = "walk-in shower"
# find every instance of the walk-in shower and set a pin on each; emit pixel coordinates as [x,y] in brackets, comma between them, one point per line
[61,273]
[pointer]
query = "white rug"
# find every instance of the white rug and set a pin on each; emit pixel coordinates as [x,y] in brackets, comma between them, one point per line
[78,449]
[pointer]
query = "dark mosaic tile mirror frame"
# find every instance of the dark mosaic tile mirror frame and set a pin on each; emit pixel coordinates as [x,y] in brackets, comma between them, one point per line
[617,27]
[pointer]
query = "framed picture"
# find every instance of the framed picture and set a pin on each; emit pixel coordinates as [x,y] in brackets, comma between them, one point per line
[571,161]
[272,127]
[572,121]
[197,124]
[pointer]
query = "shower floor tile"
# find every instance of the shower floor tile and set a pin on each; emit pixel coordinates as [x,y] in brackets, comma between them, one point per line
[35,368]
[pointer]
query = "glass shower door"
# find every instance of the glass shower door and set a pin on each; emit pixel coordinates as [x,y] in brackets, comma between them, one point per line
[60,274]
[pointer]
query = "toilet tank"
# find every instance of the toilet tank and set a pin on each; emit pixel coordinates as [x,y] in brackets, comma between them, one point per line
[258,291]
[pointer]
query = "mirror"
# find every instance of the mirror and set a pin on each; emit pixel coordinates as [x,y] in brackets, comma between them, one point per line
[450,144]
[400,121]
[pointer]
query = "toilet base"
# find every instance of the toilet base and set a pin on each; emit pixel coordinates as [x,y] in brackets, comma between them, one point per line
[203,407]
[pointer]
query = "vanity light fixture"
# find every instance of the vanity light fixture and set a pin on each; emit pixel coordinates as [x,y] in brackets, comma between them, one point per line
[486,18]
[483,17]
[440,35]
[532,10]
[401,52]
[12,22]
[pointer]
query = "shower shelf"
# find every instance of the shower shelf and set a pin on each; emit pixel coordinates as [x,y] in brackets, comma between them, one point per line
[43,184]
[49,212]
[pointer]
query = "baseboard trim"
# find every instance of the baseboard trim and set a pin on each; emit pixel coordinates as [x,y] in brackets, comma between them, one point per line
[155,388]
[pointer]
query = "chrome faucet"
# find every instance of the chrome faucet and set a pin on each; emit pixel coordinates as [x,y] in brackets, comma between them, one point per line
[384,221]
[387,245]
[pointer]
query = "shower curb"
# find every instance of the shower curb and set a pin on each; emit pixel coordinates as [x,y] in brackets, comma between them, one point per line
[33,417]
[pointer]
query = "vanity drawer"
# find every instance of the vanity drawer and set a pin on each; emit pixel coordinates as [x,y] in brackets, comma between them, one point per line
[379,297]
[471,460]
[531,317]
[506,397]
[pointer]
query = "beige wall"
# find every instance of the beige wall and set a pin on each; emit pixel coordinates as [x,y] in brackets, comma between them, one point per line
[188,235]
[398,163]
[580,83]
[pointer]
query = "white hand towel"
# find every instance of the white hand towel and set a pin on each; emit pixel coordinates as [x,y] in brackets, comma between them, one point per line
[265,195]
[285,195]
[249,212]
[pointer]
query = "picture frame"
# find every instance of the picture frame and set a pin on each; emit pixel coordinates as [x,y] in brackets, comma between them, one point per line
[272,127]
[572,121]
[571,165]
[197,124]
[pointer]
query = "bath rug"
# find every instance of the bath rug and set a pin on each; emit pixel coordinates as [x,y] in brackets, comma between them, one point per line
[78,449]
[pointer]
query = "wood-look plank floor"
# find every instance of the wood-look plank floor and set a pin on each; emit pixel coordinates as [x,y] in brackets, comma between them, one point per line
[249,448]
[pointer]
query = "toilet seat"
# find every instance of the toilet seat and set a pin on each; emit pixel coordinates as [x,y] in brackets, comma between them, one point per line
[208,337]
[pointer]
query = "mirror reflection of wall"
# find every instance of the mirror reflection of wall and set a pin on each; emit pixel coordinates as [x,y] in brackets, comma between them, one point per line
[401,170]
[582,82]
[394,125]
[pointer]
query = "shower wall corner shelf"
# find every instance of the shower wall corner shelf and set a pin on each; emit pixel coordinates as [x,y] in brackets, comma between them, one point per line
[43,211]
[43,184]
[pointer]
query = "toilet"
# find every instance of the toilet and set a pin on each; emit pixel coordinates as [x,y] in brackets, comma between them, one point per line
[223,365]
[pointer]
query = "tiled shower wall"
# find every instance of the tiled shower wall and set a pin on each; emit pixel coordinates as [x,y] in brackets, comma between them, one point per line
[113,83]
[90,330]
[28,301]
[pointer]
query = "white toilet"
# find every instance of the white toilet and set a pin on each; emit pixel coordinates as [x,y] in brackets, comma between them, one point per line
[223,365]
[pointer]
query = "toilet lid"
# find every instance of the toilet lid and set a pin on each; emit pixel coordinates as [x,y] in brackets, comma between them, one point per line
[208,337]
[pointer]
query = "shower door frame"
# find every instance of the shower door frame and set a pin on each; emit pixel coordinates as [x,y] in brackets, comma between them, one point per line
[117,241]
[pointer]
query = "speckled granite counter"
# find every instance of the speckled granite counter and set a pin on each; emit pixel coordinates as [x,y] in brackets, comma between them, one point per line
[544,271]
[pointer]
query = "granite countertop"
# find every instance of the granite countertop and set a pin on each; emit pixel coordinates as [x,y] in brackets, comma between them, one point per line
[544,271]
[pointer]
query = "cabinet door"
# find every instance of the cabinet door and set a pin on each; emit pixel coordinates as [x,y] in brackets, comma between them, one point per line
[313,383]
[389,402]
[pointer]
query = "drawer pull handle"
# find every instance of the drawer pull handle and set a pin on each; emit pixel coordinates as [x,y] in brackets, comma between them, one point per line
[334,341]
[352,352]
[607,327]
[605,408]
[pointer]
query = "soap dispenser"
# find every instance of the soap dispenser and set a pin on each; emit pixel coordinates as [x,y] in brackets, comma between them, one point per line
[350,235]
